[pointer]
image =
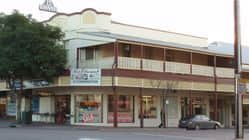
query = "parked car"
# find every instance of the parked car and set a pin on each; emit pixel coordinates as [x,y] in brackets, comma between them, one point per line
[184,122]
[198,122]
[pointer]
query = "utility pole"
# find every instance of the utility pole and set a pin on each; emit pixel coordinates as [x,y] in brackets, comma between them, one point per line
[239,134]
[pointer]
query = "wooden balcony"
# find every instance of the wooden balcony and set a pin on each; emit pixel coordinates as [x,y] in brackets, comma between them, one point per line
[3,85]
[105,62]
[153,65]
[225,72]
[157,66]
[129,63]
[176,67]
[202,70]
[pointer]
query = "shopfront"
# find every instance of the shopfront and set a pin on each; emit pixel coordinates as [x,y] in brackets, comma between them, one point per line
[194,105]
[149,107]
[125,109]
[11,105]
[88,108]
[3,102]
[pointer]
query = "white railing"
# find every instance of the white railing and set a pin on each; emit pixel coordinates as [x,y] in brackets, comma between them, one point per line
[129,63]
[202,70]
[152,65]
[176,67]
[225,72]
[105,62]
[3,85]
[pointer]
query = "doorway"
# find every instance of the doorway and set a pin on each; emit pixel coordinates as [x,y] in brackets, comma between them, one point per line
[62,109]
[2,107]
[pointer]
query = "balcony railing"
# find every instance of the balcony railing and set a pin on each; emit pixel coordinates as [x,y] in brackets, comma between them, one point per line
[105,62]
[225,72]
[157,66]
[202,70]
[3,85]
[176,67]
[153,65]
[129,63]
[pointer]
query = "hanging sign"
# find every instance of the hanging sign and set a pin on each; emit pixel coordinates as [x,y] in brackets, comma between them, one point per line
[86,77]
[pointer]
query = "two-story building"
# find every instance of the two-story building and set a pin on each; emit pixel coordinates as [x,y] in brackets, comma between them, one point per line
[139,67]
[124,73]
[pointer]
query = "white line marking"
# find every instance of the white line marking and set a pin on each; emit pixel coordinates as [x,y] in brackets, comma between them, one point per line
[88,139]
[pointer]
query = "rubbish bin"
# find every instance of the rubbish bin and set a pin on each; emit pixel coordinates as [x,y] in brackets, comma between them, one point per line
[26,117]
[29,117]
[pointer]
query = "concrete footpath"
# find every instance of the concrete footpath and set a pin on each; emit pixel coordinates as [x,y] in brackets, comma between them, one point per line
[6,122]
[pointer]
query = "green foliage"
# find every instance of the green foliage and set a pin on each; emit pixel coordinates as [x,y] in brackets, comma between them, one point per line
[29,49]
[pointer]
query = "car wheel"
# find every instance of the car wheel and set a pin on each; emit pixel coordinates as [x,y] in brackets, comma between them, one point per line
[197,127]
[216,126]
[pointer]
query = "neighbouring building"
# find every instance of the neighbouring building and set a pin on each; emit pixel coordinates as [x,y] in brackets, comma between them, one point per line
[134,70]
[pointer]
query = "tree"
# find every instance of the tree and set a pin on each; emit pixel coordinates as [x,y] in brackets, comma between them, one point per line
[28,50]
[167,86]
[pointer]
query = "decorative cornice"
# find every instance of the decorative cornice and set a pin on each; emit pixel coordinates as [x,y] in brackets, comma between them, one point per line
[77,13]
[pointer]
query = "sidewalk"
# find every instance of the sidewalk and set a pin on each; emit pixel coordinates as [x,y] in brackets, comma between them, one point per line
[6,122]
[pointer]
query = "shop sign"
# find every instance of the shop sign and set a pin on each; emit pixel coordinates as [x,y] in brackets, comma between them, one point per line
[91,117]
[88,117]
[123,117]
[85,77]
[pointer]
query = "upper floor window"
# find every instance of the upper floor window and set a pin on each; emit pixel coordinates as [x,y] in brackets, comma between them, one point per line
[89,53]
[126,50]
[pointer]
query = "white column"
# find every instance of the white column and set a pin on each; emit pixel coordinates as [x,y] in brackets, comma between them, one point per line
[72,118]
[105,108]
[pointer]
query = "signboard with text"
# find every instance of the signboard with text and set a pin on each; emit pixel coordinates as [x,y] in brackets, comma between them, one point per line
[86,77]
[123,117]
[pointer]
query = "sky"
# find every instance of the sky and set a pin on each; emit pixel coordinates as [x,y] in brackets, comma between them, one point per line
[212,19]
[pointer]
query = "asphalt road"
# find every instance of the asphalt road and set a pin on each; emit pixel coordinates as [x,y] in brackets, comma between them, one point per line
[81,133]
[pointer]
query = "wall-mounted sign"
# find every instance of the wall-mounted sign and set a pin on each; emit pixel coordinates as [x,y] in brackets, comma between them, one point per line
[48,6]
[86,77]
[123,117]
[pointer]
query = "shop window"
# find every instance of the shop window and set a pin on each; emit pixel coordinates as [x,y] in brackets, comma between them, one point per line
[11,105]
[88,109]
[35,104]
[149,107]
[125,108]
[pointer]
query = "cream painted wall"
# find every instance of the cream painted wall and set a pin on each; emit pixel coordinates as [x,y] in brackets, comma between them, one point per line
[74,25]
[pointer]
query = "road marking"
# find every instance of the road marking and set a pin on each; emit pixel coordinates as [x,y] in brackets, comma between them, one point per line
[89,139]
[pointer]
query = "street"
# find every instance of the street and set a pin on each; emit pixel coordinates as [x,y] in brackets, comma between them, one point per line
[95,133]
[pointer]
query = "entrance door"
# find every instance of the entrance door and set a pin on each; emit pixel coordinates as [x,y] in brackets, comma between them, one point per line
[2,107]
[62,109]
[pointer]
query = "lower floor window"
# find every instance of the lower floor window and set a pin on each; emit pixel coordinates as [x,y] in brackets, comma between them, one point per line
[125,109]
[88,108]
[149,107]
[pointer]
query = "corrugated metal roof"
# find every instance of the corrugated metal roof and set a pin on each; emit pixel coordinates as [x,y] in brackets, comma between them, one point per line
[203,49]
[228,48]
